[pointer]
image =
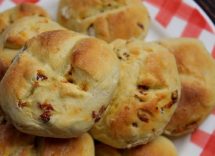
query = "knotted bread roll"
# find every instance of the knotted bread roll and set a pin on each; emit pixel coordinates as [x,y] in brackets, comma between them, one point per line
[16,35]
[146,96]
[60,84]
[105,19]
[22,10]
[197,74]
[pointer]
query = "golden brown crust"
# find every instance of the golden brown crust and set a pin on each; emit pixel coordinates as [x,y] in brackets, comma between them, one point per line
[55,87]
[84,57]
[197,71]
[22,10]
[146,96]
[128,23]
[160,146]
[107,20]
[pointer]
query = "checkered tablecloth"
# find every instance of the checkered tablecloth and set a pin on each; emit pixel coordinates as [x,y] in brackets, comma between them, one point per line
[183,20]
[179,19]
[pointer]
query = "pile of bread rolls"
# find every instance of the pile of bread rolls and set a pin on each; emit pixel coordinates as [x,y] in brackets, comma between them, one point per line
[90,85]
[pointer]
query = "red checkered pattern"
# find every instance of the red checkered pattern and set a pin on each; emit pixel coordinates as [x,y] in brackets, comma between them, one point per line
[168,9]
[181,20]
[203,139]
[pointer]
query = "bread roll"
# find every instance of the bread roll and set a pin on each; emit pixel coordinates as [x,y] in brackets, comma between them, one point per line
[15,36]
[160,146]
[22,10]
[146,96]
[105,150]
[81,146]
[14,143]
[60,84]
[197,74]
[105,19]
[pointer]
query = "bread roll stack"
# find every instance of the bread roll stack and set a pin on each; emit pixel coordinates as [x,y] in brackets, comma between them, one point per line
[58,87]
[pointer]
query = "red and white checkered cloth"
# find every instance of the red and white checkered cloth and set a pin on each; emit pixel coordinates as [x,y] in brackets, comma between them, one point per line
[179,19]
[182,20]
